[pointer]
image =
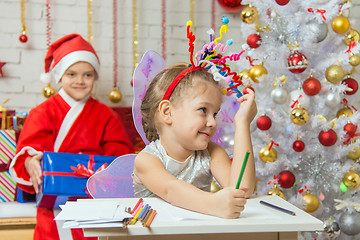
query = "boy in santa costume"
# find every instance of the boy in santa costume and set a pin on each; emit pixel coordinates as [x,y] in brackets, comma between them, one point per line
[70,121]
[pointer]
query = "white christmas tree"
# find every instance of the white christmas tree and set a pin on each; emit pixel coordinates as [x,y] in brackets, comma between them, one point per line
[301,59]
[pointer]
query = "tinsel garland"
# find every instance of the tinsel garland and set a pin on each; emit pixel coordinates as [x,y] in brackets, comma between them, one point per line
[89,11]
[163,32]
[115,48]
[135,28]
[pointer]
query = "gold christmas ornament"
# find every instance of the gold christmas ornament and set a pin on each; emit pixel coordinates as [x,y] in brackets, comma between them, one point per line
[351,36]
[299,116]
[351,179]
[48,91]
[340,24]
[257,71]
[354,154]
[276,191]
[115,95]
[214,187]
[249,14]
[244,74]
[267,155]
[311,202]
[334,74]
[345,111]
[354,60]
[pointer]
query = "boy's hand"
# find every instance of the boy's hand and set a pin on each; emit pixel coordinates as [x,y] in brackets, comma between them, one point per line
[229,202]
[32,165]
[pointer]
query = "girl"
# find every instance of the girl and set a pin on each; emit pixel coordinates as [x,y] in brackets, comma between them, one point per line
[178,115]
[70,121]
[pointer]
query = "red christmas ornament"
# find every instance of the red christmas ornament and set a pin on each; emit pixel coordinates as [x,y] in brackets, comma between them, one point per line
[350,128]
[254,40]
[311,86]
[282,2]
[298,146]
[263,123]
[286,179]
[328,138]
[297,62]
[231,5]
[351,83]
[245,91]
[23,38]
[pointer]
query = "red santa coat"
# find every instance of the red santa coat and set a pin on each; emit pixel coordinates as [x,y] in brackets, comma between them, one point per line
[61,124]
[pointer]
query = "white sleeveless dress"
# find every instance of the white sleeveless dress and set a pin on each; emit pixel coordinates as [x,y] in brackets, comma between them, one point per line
[195,170]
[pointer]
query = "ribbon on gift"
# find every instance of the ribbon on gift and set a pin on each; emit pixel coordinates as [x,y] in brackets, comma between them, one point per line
[80,170]
[343,204]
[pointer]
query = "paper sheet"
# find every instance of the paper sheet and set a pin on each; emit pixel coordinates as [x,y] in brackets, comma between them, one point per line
[92,210]
[168,211]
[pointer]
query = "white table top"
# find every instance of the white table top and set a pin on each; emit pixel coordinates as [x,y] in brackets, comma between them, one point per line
[255,218]
[16,209]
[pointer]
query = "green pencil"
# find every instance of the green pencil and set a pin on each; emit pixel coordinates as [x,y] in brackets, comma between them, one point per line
[242,169]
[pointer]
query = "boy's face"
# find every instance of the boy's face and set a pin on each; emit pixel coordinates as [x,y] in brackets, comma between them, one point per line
[78,80]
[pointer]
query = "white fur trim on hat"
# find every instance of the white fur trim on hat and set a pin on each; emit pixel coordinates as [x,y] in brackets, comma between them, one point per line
[46,77]
[70,59]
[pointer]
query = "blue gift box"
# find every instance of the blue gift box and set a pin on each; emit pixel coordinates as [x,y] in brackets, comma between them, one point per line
[65,176]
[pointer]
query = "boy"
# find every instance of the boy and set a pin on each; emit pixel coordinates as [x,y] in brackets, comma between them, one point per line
[70,121]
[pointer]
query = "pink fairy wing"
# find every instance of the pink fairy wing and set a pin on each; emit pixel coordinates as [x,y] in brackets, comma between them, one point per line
[225,124]
[115,181]
[150,65]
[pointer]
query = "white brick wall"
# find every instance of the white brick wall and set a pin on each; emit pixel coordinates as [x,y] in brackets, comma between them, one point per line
[25,60]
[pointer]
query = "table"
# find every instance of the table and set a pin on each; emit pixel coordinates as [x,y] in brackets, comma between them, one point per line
[278,226]
[17,220]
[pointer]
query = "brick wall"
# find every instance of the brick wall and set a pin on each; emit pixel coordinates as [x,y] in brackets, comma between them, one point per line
[25,60]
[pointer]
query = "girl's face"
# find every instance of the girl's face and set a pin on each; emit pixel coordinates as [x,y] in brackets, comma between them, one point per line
[78,80]
[194,119]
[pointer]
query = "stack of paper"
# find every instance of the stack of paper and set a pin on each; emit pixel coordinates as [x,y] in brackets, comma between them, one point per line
[92,214]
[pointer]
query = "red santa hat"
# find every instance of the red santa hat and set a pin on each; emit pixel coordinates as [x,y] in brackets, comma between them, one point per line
[65,52]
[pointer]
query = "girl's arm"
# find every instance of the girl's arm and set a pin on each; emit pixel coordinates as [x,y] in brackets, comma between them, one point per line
[225,173]
[227,203]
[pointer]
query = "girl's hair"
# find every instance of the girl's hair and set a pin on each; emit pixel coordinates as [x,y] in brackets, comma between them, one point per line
[156,90]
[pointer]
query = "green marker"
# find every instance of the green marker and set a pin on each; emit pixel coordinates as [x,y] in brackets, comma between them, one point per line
[242,169]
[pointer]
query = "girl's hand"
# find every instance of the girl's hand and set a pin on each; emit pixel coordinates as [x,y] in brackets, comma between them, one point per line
[32,165]
[247,110]
[228,202]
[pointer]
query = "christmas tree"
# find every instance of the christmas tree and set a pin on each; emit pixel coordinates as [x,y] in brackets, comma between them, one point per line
[301,59]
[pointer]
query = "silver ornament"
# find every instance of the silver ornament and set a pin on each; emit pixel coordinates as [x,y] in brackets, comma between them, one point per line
[349,222]
[304,100]
[332,99]
[331,226]
[319,30]
[279,95]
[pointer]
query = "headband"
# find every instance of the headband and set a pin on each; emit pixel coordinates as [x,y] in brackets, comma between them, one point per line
[178,78]
[208,60]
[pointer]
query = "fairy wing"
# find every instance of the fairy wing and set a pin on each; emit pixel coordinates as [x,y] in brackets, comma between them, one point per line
[224,135]
[115,181]
[150,65]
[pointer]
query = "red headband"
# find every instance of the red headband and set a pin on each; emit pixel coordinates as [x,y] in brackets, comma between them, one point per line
[175,82]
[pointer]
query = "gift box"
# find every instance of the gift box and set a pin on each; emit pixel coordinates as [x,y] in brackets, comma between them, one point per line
[4,113]
[65,176]
[7,152]
[15,122]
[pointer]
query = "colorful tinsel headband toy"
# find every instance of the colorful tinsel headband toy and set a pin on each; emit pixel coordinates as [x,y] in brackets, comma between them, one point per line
[206,59]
